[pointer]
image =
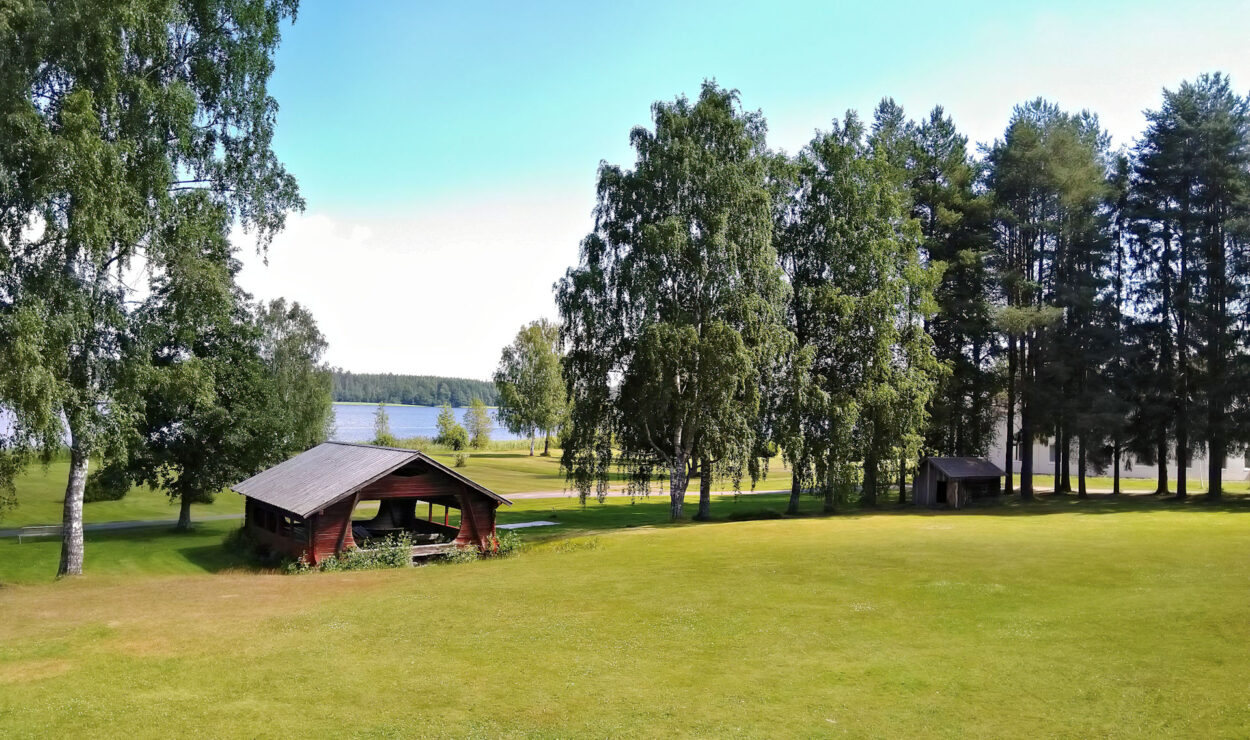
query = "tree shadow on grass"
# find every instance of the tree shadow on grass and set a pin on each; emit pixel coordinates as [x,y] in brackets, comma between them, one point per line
[772,506]
[1095,503]
[206,546]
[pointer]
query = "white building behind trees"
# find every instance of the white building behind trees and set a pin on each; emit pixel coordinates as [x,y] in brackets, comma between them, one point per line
[1046,461]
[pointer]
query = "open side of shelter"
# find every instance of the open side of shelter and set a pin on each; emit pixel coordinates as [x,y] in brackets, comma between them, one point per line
[954,481]
[303,507]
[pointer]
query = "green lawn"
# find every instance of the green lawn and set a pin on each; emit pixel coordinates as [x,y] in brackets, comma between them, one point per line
[1105,483]
[41,491]
[41,496]
[162,551]
[1063,618]
[514,471]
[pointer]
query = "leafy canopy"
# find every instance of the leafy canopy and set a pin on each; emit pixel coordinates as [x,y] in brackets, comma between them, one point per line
[677,301]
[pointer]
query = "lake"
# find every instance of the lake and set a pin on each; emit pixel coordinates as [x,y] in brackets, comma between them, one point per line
[354,422]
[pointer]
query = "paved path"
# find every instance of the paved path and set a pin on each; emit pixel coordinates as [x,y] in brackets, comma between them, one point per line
[132,524]
[619,494]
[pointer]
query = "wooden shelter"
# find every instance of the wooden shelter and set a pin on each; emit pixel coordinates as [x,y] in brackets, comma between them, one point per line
[953,481]
[303,507]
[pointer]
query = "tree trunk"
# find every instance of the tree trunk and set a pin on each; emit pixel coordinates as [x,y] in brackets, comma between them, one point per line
[869,492]
[795,490]
[1082,492]
[1115,464]
[902,479]
[1026,449]
[184,513]
[1011,415]
[1162,487]
[828,505]
[1182,455]
[705,490]
[71,520]
[531,442]
[1026,424]
[546,444]
[1215,469]
[677,481]
[1064,457]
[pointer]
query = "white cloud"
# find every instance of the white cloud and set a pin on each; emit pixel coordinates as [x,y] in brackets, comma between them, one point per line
[437,290]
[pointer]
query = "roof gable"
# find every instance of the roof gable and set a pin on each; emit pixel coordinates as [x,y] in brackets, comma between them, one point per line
[966,467]
[314,479]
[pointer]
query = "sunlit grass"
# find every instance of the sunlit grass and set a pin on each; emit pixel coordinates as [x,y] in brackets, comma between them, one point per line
[41,497]
[1062,618]
[41,491]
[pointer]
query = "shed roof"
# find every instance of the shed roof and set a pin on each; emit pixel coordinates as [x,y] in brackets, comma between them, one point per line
[314,479]
[965,467]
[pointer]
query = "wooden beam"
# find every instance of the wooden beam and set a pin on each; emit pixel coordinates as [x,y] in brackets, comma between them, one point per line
[347,522]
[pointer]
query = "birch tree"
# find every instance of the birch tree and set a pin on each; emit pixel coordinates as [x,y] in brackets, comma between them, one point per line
[108,111]
[676,304]
[531,384]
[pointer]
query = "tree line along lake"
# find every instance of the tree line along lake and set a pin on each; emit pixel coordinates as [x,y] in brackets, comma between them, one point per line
[353,422]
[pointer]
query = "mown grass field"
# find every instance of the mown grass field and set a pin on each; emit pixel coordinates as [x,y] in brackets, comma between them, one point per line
[1062,618]
[506,468]
[41,497]
[41,490]
[162,551]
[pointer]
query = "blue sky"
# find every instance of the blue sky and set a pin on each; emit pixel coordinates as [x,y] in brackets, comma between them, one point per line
[448,150]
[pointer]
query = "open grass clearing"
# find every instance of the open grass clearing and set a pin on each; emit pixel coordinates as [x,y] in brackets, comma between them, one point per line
[160,550]
[41,489]
[1063,618]
[41,498]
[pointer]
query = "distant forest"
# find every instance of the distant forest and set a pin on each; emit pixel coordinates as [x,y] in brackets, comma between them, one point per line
[419,390]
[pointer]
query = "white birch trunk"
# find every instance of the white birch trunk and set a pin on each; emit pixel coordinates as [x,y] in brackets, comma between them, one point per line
[71,520]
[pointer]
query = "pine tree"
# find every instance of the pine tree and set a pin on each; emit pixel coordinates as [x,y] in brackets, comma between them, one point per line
[941,179]
[1049,179]
[1190,187]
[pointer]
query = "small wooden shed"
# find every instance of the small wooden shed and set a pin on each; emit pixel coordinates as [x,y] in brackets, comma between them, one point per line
[303,507]
[953,481]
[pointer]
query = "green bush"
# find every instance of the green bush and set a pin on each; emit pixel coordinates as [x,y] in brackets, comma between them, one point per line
[382,428]
[450,433]
[393,551]
[466,554]
[506,544]
[462,458]
[109,483]
[455,437]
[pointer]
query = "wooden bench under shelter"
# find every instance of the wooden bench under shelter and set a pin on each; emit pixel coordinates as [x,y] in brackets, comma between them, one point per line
[303,507]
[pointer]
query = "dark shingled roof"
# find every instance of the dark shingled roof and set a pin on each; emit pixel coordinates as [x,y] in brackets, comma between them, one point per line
[312,480]
[965,467]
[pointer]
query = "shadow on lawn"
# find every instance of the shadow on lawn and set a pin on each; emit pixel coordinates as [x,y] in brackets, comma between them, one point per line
[1070,503]
[205,546]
